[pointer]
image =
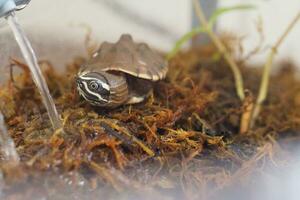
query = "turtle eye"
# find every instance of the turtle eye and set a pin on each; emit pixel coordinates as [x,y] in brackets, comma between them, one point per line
[94,85]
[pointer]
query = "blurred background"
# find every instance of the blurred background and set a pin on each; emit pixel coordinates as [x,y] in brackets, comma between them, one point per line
[57,28]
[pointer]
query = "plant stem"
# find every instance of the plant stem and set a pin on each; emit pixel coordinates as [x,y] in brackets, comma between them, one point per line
[248,105]
[222,49]
[263,90]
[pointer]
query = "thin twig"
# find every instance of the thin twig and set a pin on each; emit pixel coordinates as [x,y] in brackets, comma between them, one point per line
[222,49]
[263,91]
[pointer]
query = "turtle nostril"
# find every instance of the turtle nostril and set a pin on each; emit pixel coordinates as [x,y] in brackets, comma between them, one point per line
[79,82]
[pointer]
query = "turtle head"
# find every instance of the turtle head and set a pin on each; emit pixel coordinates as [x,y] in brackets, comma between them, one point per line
[94,87]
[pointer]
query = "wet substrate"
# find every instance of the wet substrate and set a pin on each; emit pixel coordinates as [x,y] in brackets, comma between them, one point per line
[183,141]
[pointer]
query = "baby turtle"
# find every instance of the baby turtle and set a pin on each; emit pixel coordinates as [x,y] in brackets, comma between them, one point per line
[120,73]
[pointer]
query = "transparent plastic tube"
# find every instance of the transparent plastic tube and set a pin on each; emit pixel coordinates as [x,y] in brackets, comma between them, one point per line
[36,73]
[7,145]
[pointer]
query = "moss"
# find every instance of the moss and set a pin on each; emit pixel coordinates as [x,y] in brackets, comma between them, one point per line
[183,138]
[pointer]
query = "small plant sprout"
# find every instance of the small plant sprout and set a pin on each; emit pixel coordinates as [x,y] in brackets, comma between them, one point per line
[250,106]
[263,90]
[207,28]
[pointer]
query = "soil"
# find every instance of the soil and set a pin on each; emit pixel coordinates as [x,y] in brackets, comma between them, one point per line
[183,142]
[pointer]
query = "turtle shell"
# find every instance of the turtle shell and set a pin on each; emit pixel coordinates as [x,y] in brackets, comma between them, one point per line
[136,59]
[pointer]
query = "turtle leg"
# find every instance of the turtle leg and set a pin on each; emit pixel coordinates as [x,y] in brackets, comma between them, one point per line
[139,90]
[137,98]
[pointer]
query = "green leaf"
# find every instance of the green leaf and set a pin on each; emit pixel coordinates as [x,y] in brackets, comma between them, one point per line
[217,13]
[186,37]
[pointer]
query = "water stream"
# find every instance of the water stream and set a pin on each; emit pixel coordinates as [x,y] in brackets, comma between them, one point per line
[31,60]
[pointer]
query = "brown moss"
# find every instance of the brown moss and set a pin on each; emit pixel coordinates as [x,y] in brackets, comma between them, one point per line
[185,137]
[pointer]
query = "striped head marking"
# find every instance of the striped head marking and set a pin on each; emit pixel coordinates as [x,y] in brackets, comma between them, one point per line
[93,87]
